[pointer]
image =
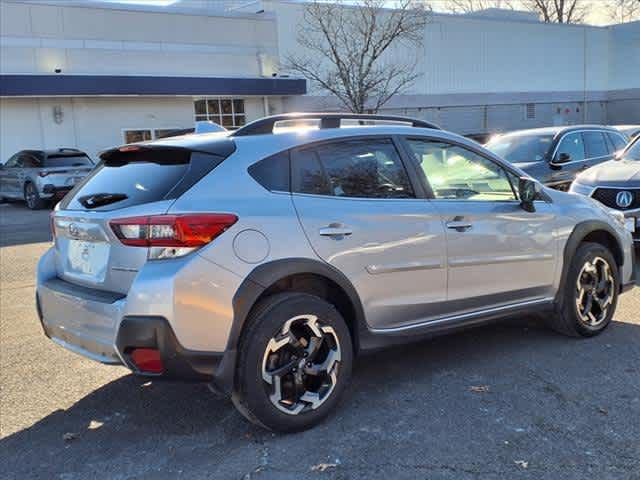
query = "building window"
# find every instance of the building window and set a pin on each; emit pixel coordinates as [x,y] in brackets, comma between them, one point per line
[146,134]
[530,111]
[132,136]
[228,112]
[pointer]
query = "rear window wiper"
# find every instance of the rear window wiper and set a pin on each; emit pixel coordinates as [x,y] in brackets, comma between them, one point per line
[96,200]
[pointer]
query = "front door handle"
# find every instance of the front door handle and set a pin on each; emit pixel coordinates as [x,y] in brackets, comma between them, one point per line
[335,230]
[459,225]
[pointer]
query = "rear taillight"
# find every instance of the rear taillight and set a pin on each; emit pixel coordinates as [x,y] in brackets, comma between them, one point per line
[175,231]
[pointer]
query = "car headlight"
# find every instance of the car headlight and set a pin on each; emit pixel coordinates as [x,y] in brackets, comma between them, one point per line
[581,189]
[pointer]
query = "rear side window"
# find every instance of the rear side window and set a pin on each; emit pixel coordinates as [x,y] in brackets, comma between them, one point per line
[134,178]
[67,161]
[617,141]
[272,172]
[595,144]
[368,168]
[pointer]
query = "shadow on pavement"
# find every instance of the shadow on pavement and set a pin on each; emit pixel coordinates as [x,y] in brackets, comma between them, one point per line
[20,226]
[403,403]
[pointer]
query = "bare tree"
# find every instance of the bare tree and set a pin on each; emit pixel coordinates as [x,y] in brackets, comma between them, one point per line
[468,6]
[550,11]
[559,11]
[346,49]
[622,11]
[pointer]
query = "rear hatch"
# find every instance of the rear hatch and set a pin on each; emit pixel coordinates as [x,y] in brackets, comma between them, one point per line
[132,181]
[65,169]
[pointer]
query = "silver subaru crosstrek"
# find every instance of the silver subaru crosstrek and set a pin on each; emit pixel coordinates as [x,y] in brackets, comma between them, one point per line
[262,261]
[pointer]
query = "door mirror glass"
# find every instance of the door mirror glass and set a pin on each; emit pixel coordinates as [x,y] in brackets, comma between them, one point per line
[563,158]
[528,192]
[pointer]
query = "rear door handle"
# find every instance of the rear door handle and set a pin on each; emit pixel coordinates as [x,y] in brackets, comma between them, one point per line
[335,230]
[459,225]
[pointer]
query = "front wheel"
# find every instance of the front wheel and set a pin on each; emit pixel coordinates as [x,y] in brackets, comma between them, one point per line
[591,293]
[32,197]
[295,360]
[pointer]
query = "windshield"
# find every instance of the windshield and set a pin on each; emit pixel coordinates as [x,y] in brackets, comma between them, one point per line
[521,148]
[67,161]
[633,152]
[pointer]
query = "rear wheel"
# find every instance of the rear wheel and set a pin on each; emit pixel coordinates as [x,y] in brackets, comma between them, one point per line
[589,302]
[32,197]
[295,360]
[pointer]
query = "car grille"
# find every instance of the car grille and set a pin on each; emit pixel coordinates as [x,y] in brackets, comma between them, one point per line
[608,196]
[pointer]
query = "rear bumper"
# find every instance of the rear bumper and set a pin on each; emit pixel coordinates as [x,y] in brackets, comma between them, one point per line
[170,307]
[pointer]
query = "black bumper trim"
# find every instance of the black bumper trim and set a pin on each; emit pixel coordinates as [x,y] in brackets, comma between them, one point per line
[179,363]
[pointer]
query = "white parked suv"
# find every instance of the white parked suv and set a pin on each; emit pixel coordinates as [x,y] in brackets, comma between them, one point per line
[262,261]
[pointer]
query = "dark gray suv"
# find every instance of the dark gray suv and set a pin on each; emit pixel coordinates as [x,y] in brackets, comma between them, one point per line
[555,155]
[41,176]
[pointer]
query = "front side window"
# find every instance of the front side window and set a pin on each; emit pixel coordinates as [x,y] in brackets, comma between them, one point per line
[571,148]
[456,173]
[595,144]
[356,168]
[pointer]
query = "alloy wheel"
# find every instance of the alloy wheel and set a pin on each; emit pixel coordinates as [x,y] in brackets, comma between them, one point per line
[595,290]
[301,364]
[30,196]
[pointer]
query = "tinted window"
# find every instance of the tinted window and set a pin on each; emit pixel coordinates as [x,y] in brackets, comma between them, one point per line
[67,161]
[521,148]
[134,178]
[617,141]
[357,168]
[595,144]
[456,173]
[273,172]
[28,161]
[12,162]
[573,146]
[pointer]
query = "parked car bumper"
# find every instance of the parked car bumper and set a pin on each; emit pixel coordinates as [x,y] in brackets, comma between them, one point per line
[167,309]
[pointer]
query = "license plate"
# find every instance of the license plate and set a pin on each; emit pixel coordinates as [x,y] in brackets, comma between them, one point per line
[630,223]
[88,259]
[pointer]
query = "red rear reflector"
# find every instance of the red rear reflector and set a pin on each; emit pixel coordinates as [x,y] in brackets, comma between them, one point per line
[147,360]
[172,230]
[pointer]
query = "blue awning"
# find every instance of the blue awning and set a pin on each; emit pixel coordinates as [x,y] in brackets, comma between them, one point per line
[78,85]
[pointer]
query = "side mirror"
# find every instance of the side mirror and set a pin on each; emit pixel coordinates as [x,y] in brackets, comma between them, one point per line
[528,192]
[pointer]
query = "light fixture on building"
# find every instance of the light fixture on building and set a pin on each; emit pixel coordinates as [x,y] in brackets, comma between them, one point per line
[58,114]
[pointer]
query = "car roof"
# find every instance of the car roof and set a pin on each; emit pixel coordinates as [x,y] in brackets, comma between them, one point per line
[557,130]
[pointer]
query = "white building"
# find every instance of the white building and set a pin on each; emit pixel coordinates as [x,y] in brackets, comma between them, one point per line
[93,74]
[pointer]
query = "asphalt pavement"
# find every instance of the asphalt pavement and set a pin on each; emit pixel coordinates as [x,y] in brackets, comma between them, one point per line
[510,400]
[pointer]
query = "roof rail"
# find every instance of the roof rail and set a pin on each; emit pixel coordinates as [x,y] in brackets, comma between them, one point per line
[327,120]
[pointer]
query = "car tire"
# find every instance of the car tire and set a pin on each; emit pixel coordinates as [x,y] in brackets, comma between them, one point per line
[587,305]
[292,329]
[32,197]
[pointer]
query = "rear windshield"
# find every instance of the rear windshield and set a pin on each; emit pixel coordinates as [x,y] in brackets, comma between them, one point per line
[521,148]
[134,178]
[67,161]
